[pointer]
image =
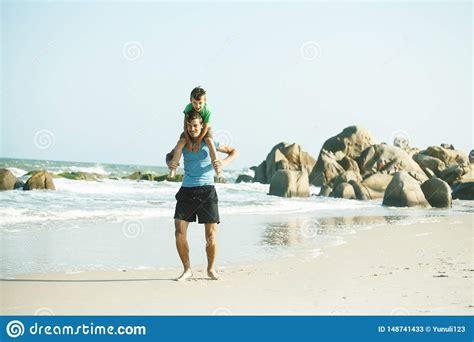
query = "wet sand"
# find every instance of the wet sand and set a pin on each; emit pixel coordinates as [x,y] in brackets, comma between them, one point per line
[417,269]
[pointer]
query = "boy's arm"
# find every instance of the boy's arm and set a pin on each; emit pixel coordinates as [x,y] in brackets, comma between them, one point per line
[205,127]
[186,134]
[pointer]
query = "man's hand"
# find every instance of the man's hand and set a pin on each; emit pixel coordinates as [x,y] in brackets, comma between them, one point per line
[173,165]
[197,146]
[218,165]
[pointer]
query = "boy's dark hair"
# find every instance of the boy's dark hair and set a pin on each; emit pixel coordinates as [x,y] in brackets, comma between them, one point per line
[192,115]
[197,93]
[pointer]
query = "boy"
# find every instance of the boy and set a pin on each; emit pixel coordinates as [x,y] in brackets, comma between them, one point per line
[198,103]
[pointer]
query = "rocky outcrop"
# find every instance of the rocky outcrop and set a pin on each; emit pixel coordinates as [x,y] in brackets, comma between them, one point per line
[289,183]
[387,159]
[437,192]
[87,176]
[284,156]
[40,181]
[326,170]
[7,180]
[404,191]
[429,163]
[447,156]
[351,141]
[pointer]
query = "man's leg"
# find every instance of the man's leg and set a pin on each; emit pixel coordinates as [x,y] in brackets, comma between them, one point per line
[211,242]
[181,229]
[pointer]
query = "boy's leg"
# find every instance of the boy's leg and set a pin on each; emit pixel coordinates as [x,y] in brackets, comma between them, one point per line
[178,151]
[180,233]
[212,152]
[211,242]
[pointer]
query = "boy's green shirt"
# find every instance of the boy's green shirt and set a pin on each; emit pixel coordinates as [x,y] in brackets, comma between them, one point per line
[205,112]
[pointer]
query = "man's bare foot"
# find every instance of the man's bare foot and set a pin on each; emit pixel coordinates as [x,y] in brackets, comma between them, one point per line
[213,275]
[186,275]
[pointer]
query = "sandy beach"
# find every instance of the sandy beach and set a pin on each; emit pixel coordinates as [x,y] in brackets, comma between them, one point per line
[416,269]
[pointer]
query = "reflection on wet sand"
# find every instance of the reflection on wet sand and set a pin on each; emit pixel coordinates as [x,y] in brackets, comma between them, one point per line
[299,230]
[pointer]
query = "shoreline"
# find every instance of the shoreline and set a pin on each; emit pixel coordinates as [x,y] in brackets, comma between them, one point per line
[417,269]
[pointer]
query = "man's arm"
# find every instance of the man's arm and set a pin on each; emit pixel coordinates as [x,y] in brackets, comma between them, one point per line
[231,155]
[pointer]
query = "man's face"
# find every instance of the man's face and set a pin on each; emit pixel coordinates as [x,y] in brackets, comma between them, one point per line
[198,104]
[194,128]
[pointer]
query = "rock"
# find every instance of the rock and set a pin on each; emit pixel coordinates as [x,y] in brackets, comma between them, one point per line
[349,164]
[284,156]
[404,191]
[137,175]
[437,192]
[19,184]
[81,176]
[447,146]
[289,183]
[343,190]
[325,191]
[147,176]
[464,191]
[402,143]
[177,178]
[40,180]
[244,178]
[219,179]
[345,177]
[387,159]
[428,162]
[351,141]
[471,157]
[326,170]
[372,187]
[454,173]
[261,173]
[7,180]
[447,156]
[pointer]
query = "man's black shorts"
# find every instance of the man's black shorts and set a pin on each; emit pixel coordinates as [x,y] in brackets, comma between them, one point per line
[200,201]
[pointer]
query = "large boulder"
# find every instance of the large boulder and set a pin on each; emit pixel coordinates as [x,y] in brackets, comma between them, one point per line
[471,157]
[351,141]
[464,191]
[437,192]
[289,183]
[284,156]
[346,177]
[448,156]
[404,191]
[387,159]
[7,180]
[429,163]
[454,173]
[344,190]
[372,187]
[326,170]
[244,178]
[349,164]
[41,181]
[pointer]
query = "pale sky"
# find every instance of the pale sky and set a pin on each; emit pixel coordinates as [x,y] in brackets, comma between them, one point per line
[107,81]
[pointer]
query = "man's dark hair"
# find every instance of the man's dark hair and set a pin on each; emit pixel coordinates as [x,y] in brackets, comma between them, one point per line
[197,93]
[192,115]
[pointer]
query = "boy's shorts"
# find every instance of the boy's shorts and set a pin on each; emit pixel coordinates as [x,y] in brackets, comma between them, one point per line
[198,201]
[208,134]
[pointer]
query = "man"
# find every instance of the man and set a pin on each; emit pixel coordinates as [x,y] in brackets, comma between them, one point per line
[197,197]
